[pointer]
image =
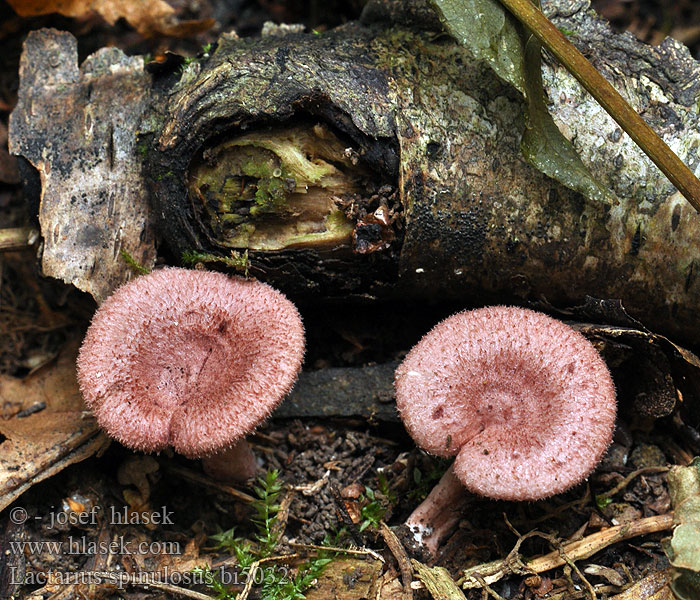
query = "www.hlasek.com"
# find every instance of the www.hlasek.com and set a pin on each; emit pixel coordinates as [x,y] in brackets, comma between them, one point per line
[83,546]
[121,579]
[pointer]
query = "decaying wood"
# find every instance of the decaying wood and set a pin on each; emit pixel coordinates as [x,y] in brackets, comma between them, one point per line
[347,579]
[471,221]
[478,224]
[78,127]
[343,392]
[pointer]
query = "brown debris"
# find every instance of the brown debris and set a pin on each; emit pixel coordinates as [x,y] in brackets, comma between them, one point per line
[348,579]
[47,441]
[653,587]
[148,17]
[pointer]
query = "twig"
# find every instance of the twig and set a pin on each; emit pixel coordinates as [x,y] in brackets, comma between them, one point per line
[254,569]
[608,97]
[588,546]
[310,489]
[400,555]
[552,540]
[283,515]
[205,481]
[627,480]
[121,579]
[17,238]
[485,586]
[578,550]
[359,551]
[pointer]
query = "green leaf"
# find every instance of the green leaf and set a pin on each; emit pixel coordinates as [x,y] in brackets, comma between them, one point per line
[602,501]
[543,145]
[684,489]
[489,32]
[492,34]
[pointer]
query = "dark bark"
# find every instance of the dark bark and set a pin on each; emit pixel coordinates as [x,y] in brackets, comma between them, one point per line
[463,217]
[474,222]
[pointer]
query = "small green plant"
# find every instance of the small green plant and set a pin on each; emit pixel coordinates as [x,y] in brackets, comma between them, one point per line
[379,503]
[293,588]
[239,547]
[426,481]
[212,581]
[602,501]
[267,508]
[277,582]
[131,261]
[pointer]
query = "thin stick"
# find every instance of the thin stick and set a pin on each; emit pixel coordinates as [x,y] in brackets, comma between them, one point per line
[400,555]
[588,546]
[121,579]
[575,568]
[254,569]
[205,481]
[485,586]
[359,551]
[627,480]
[17,238]
[608,97]
[578,550]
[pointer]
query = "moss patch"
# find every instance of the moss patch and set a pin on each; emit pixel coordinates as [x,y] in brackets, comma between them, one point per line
[277,188]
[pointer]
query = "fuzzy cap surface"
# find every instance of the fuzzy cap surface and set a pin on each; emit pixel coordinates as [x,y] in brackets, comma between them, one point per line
[189,359]
[525,403]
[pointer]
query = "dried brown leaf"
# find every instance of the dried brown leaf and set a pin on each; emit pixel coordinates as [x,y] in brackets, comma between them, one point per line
[148,17]
[45,442]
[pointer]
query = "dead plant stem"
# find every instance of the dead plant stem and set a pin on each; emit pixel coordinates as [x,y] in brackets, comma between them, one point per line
[608,97]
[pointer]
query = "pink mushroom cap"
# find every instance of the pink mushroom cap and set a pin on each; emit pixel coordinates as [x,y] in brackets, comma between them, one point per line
[189,359]
[525,403]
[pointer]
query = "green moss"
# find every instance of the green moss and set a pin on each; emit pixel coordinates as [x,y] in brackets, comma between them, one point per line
[270,196]
[237,260]
[131,261]
[161,176]
[276,189]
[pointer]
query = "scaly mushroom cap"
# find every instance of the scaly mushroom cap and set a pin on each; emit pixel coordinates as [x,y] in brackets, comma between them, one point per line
[524,402]
[189,359]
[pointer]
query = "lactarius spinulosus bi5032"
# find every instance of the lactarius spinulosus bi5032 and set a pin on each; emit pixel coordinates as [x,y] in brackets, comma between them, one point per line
[193,360]
[524,403]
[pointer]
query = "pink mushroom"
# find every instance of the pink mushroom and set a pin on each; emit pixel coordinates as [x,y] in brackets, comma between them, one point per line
[192,360]
[523,402]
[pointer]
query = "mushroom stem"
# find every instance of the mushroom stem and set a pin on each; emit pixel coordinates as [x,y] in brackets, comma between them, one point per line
[433,520]
[237,463]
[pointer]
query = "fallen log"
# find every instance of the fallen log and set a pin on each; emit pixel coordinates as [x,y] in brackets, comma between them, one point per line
[413,185]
